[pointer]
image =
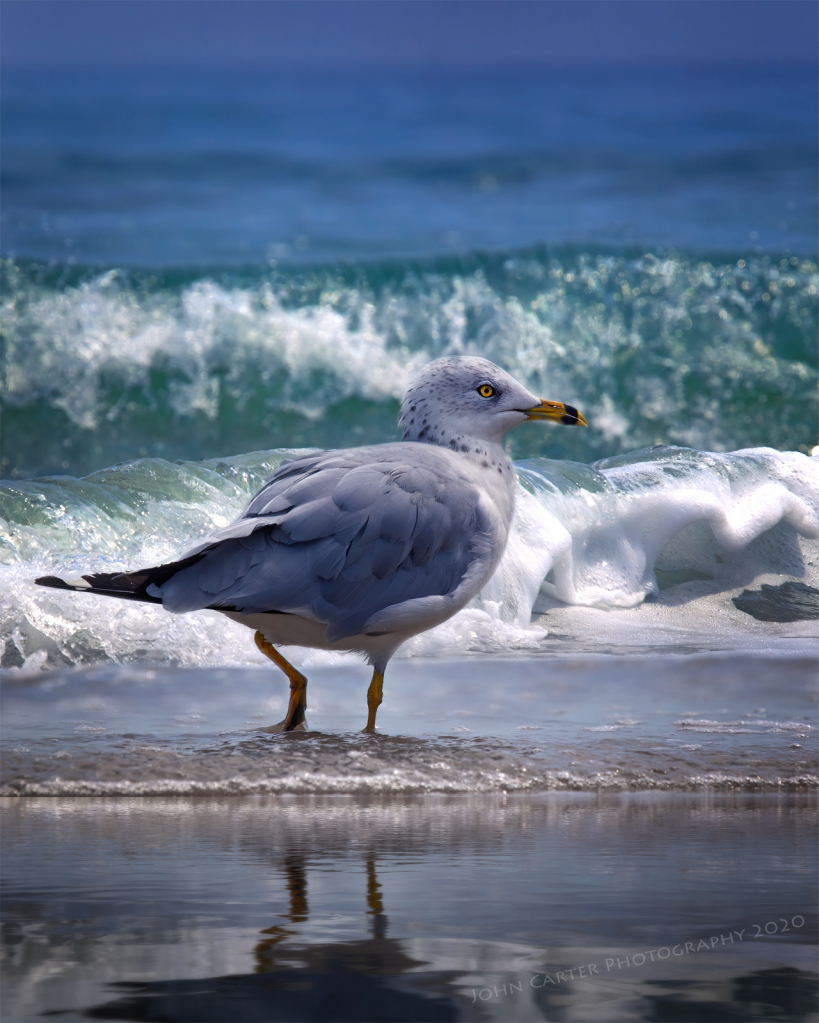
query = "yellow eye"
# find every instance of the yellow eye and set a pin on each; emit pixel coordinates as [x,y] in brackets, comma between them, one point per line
[486,390]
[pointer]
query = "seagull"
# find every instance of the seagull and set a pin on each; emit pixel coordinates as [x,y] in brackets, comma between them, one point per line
[362,548]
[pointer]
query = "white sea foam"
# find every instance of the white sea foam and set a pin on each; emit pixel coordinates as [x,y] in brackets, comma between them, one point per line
[657,347]
[65,343]
[411,781]
[607,534]
[585,540]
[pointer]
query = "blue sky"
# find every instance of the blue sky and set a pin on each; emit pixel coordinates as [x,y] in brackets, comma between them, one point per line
[409,33]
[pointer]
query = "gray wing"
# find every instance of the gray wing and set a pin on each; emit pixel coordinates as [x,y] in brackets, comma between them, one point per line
[339,537]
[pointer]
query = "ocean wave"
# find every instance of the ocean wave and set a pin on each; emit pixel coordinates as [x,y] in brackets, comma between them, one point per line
[666,524]
[654,348]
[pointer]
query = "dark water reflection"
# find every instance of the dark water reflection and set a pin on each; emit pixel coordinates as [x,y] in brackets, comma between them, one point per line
[558,906]
[369,979]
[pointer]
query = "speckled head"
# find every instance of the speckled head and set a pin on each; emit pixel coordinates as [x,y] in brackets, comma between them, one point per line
[453,399]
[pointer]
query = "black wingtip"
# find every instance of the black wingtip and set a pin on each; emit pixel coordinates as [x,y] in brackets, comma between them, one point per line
[100,586]
[124,585]
[52,580]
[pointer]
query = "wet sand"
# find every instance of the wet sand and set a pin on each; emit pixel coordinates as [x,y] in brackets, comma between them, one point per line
[550,906]
[719,720]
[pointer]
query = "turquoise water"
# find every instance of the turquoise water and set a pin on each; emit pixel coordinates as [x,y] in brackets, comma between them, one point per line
[205,263]
[716,354]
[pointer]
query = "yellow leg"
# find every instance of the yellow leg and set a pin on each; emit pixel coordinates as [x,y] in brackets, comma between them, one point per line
[374,696]
[298,685]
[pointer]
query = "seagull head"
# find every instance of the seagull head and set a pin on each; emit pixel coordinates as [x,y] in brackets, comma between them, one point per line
[455,398]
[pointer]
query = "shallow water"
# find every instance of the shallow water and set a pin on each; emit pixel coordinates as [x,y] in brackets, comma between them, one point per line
[559,906]
[673,722]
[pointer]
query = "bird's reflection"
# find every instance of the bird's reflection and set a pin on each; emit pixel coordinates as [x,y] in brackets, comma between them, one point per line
[296,874]
[375,907]
[374,978]
[376,955]
[366,979]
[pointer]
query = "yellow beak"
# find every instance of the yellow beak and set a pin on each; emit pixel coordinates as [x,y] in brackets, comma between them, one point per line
[566,414]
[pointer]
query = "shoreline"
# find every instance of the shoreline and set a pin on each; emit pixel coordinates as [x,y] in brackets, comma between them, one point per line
[467,725]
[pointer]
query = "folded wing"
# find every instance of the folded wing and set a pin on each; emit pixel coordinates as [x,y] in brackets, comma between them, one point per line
[339,539]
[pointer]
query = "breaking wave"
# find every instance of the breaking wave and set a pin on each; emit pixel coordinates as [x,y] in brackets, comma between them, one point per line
[666,349]
[653,523]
